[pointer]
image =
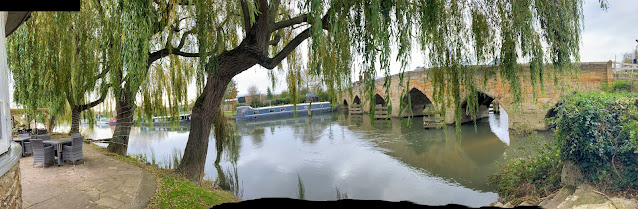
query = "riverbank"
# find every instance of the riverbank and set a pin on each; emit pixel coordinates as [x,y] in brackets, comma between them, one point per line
[175,191]
[589,164]
[583,196]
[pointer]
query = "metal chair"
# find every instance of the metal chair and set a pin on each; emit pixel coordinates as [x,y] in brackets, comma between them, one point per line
[42,154]
[74,152]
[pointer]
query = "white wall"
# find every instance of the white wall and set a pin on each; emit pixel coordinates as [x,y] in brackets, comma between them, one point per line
[5,115]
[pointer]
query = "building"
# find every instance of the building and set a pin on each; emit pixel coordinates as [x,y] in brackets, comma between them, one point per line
[10,152]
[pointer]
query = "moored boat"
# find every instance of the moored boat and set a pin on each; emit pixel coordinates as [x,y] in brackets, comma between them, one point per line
[249,113]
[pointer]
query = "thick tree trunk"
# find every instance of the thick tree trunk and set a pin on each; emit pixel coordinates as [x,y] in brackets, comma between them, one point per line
[205,109]
[119,143]
[75,119]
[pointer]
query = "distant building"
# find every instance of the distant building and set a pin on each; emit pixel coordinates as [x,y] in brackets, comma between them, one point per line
[247,99]
[230,104]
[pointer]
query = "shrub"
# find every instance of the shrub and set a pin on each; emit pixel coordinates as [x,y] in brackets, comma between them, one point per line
[537,175]
[596,131]
[618,86]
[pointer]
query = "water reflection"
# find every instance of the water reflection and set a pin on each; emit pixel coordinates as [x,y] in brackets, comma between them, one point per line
[330,156]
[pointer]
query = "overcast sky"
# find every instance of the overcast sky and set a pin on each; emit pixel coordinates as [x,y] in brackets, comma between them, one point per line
[606,35]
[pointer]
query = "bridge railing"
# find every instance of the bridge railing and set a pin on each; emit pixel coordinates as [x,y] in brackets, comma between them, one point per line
[625,71]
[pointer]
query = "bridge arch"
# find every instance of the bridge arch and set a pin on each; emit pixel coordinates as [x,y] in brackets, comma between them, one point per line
[345,103]
[356,100]
[418,100]
[484,102]
[378,100]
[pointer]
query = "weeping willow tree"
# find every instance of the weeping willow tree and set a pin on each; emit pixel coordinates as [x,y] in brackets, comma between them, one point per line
[55,61]
[453,34]
[145,47]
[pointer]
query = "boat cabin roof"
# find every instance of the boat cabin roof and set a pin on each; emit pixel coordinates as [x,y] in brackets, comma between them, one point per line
[280,106]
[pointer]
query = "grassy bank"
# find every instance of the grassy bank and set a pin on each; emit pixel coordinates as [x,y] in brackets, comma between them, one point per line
[175,191]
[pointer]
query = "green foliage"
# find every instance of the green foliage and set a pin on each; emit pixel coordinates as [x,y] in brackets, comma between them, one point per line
[597,131]
[537,175]
[269,93]
[618,86]
[55,60]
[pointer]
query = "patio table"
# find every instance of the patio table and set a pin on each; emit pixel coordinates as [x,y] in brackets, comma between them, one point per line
[21,142]
[57,146]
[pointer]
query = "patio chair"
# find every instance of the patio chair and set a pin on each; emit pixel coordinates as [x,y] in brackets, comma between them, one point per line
[74,152]
[42,154]
[76,135]
[27,147]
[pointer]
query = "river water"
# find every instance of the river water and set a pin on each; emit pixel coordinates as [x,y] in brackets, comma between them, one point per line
[336,155]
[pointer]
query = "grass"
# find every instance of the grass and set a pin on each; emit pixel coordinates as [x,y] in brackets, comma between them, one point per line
[173,190]
[230,113]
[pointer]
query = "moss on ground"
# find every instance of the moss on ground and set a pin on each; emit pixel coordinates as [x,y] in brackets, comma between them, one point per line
[175,191]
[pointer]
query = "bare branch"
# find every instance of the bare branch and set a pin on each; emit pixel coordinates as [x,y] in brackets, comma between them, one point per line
[182,41]
[292,45]
[290,22]
[98,101]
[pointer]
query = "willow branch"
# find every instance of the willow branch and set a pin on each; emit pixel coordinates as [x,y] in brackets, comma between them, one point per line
[292,45]
[290,22]
[98,101]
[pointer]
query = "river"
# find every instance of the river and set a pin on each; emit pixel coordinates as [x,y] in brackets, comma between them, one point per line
[336,155]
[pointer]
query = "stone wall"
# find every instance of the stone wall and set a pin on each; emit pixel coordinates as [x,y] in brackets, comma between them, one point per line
[10,188]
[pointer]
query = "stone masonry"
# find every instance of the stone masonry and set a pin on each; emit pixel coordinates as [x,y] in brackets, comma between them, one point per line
[10,188]
[530,114]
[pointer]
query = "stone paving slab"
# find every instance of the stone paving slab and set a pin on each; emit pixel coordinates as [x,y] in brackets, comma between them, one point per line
[100,182]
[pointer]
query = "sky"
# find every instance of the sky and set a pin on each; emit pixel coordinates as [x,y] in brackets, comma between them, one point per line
[606,35]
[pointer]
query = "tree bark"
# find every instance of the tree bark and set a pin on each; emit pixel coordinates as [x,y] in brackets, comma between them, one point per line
[205,109]
[124,117]
[207,106]
[75,119]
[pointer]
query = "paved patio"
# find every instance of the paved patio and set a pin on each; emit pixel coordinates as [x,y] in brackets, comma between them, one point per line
[101,182]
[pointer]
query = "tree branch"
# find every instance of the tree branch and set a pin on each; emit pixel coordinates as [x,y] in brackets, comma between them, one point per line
[292,45]
[152,57]
[275,40]
[98,101]
[290,22]
[245,11]
[103,73]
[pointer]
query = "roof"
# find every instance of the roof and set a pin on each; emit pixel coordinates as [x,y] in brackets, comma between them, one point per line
[14,20]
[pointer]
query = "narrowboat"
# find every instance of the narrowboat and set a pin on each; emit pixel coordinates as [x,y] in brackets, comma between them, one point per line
[249,113]
[183,118]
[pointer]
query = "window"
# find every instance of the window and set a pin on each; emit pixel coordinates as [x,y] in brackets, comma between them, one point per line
[272,110]
[320,106]
[255,112]
[282,109]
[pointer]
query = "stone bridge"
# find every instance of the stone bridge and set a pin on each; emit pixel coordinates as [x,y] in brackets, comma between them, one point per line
[530,114]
